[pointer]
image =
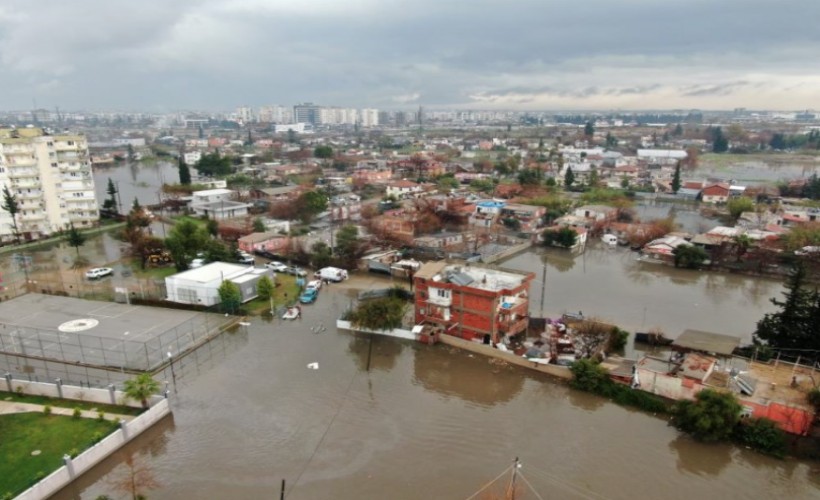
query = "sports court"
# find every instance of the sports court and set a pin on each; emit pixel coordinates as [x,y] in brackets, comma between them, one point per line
[104,334]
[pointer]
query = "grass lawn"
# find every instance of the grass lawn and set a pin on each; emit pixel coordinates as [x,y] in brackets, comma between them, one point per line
[53,435]
[196,220]
[285,284]
[153,273]
[68,403]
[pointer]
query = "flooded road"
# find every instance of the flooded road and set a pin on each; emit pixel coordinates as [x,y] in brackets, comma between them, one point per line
[425,422]
[141,180]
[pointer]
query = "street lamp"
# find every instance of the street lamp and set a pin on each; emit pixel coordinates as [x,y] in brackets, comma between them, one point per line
[173,375]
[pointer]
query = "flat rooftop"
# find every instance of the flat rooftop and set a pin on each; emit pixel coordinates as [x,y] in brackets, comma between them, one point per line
[99,333]
[482,278]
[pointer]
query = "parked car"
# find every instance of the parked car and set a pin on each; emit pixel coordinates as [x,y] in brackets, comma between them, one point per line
[99,272]
[265,254]
[245,258]
[309,296]
[196,263]
[276,266]
[296,271]
[317,284]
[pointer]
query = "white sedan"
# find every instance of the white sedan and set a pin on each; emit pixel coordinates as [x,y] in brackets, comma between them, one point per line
[98,272]
[276,266]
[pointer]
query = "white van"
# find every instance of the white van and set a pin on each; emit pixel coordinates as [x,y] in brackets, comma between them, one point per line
[331,274]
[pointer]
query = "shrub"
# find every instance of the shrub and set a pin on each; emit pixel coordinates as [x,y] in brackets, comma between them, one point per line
[617,339]
[711,417]
[591,377]
[763,435]
[77,413]
[47,409]
[100,416]
[814,399]
[19,390]
[97,437]
[8,496]
[73,452]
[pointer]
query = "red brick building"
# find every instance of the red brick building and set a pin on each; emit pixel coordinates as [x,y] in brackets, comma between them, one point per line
[472,302]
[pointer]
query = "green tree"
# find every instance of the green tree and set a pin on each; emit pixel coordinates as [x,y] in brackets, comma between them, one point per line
[265,288]
[184,241]
[259,225]
[379,314]
[311,203]
[719,142]
[778,142]
[75,238]
[611,141]
[736,206]
[110,203]
[711,417]
[588,375]
[797,323]
[184,172]
[348,244]
[214,165]
[212,226]
[763,435]
[741,242]
[564,237]
[320,256]
[689,256]
[140,388]
[292,138]
[589,129]
[230,297]
[676,184]
[12,206]
[218,251]
[678,130]
[569,178]
[323,152]
[529,177]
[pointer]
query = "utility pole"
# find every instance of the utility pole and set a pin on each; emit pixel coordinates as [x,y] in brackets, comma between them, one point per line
[516,465]
[119,198]
[543,285]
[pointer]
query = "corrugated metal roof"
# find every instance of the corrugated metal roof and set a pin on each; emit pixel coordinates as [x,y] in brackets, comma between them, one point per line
[707,342]
[461,279]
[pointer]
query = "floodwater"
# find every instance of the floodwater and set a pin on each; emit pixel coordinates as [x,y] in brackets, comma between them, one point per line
[424,422]
[607,282]
[140,180]
[754,173]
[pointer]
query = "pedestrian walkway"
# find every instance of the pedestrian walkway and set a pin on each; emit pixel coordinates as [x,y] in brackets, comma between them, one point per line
[9,407]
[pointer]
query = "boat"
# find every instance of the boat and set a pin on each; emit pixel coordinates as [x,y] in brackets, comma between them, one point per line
[292,313]
[652,338]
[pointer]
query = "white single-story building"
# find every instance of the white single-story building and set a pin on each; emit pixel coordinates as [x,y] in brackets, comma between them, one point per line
[200,286]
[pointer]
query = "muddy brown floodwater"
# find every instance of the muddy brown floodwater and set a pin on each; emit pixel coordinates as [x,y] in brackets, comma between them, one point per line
[425,422]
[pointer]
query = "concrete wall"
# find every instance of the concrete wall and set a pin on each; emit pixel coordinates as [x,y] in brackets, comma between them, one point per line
[398,332]
[80,464]
[107,396]
[486,350]
[489,259]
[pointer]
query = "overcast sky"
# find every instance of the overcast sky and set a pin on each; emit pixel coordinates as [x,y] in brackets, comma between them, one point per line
[166,55]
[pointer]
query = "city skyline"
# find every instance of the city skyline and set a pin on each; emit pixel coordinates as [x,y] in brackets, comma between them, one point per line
[523,55]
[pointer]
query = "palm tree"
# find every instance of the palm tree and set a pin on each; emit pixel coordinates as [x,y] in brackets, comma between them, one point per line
[742,243]
[141,388]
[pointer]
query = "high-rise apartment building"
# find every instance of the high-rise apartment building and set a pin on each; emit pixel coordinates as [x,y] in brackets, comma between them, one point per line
[307,113]
[50,176]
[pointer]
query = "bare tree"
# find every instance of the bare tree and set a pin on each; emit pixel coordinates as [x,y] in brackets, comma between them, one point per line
[136,479]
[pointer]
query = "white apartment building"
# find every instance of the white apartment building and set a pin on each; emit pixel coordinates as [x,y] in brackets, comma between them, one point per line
[275,114]
[369,117]
[50,176]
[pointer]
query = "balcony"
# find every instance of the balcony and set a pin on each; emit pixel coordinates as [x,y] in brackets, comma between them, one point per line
[37,194]
[25,184]
[33,217]
[513,326]
[17,172]
[21,161]
[440,301]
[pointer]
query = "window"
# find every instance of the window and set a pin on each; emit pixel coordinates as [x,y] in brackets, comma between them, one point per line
[70,143]
[49,144]
[53,165]
[444,294]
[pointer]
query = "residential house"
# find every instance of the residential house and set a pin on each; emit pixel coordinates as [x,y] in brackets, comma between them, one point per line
[403,189]
[200,286]
[192,157]
[218,204]
[485,213]
[276,194]
[445,239]
[363,177]
[398,225]
[530,217]
[345,207]
[472,302]
[269,241]
[661,249]
[596,213]
[715,193]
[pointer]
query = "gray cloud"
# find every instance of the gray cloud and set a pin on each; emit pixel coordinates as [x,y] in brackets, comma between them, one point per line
[218,54]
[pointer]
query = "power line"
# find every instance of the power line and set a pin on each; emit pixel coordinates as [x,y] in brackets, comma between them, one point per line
[490,483]
[521,474]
